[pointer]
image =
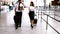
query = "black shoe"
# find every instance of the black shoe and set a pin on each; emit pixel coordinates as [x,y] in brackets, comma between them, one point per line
[19,25]
[16,27]
[31,26]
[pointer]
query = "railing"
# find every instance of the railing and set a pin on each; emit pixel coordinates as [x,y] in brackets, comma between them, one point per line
[48,23]
[48,15]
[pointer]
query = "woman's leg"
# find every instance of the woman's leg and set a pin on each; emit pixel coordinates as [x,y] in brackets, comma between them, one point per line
[32,23]
[31,14]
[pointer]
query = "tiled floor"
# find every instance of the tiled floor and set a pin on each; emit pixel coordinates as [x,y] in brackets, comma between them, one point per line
[7,25]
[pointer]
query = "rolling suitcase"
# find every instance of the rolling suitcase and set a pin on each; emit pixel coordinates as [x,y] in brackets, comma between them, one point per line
[35,20]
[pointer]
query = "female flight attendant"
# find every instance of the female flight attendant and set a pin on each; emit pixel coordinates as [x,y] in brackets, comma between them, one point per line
[31,13]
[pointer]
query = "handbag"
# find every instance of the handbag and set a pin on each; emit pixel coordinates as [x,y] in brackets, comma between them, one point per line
[35,20]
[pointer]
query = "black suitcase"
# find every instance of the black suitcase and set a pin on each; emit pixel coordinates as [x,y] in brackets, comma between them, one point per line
[15,20]
[35,21]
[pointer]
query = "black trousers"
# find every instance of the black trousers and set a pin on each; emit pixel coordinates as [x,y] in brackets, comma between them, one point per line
[17,18]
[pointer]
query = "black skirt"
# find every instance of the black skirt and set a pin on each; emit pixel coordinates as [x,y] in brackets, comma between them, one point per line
[31,15]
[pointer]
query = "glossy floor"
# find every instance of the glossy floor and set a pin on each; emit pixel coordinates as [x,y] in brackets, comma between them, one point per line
[7,25]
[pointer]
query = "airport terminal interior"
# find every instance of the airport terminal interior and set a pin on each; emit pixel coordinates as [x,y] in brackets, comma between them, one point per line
[47,15]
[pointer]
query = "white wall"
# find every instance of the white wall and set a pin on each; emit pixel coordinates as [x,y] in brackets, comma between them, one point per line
[36,2]
[7,0]
[48,1]
[27,2]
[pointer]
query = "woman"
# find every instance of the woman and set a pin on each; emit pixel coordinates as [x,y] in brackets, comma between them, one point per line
[31,13]
[18,13]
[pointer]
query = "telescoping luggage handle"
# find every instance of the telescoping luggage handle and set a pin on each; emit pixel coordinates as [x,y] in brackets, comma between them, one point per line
[35,17]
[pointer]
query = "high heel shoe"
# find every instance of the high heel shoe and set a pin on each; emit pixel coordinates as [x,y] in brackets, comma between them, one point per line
[31,26]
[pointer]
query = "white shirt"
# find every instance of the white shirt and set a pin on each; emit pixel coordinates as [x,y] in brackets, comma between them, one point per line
[16,6]
[31,8]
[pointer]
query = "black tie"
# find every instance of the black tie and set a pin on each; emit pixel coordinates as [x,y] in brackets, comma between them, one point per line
[19,6]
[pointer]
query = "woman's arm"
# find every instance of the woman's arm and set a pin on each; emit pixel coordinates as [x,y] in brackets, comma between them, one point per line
[35,11]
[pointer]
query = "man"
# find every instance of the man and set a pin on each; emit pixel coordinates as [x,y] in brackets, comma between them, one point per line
[18,13]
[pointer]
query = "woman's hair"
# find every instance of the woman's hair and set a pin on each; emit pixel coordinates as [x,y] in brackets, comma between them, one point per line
[31,3]
[20,1]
